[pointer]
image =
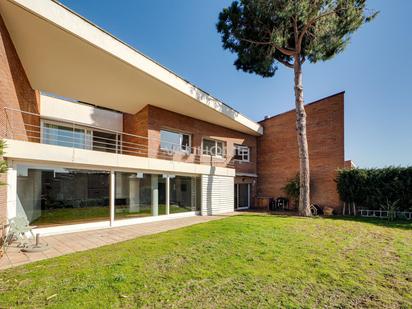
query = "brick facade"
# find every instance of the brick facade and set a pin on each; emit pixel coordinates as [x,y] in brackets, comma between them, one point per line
[15,92]
[278,150]
[151,120]
[136,124]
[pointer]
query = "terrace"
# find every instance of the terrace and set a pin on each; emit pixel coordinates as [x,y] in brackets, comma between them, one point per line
[32,127]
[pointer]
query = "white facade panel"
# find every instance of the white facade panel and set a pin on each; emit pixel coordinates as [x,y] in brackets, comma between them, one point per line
[87,115]
[217,194]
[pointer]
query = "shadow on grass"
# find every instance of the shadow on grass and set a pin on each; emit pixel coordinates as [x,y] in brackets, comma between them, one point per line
[399,224]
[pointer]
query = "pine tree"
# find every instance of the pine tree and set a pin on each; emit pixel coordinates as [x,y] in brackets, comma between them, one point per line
[265,33]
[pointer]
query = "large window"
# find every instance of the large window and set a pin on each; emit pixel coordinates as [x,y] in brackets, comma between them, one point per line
[213,147]
[67,135]
[64,135]
[242,153]
[184,194]
[174,141]
[52,196]
[49,196]
[134,195]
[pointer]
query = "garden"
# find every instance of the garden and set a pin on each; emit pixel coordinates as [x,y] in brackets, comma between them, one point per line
[277,262]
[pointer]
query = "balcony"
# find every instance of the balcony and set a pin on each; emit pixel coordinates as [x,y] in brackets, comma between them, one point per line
[31,127]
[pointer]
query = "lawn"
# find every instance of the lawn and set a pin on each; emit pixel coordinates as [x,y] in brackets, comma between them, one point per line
[242,261]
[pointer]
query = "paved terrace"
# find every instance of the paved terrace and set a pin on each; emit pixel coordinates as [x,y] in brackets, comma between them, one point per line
[82,241]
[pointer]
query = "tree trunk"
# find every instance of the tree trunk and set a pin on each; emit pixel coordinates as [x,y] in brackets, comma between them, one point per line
[304,196]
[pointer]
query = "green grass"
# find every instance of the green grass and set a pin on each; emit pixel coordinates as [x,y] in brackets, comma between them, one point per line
[244,261]
[89,214]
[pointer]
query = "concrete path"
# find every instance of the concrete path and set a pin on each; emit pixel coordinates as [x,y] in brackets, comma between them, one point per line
[81,241]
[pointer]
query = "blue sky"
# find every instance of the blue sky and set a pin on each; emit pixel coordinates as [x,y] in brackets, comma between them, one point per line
[375,70]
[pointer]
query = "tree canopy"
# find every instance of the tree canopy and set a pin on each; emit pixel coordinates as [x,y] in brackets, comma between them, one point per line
[264,33]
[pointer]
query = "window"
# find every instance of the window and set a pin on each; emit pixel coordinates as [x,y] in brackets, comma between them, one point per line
[174,141]
[57,195]
[183,194]
[242,153]
[69,135]
[65,135]
[213,147]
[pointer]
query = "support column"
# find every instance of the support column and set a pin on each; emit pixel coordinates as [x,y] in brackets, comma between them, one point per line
[155,195]
[112,196]
[193,191]
[134,195]
[167,194]
[11,192]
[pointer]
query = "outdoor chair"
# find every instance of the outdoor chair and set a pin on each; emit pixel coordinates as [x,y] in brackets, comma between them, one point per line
[281,203]
[18,228]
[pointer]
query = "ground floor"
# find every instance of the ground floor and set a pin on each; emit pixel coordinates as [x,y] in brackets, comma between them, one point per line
[51,195]
[60,198]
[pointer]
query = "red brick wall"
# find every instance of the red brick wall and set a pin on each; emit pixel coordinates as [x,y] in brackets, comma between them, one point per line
[278,150]
[136,124]
[150,120]
[15,92]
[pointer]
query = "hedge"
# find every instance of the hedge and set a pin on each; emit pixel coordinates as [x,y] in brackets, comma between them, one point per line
[372,188]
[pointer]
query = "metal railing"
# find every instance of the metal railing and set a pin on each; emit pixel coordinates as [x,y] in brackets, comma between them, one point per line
[27,126]
[384,214]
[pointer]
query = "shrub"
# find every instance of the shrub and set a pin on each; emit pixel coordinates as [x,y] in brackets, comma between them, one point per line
[292,190]
[370,188]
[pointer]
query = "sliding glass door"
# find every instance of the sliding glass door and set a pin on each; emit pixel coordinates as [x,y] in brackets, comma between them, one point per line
[49,196]
[54,196]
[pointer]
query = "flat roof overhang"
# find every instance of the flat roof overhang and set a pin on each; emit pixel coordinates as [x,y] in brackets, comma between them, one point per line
[64,54]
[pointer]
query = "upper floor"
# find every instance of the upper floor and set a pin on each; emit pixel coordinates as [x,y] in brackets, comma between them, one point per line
[152,132]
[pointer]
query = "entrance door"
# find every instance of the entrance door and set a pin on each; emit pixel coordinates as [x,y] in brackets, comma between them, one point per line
[242,195]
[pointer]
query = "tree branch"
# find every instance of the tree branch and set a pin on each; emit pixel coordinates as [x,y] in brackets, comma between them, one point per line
[296,33]
[311,23]
[256,42]
[286,51]
[289,65]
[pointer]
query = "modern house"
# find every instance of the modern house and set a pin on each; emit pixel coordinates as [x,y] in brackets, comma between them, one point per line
[100,135]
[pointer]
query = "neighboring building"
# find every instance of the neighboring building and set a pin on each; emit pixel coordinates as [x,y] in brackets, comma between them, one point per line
[147,145]
[278,159]
[349,164]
